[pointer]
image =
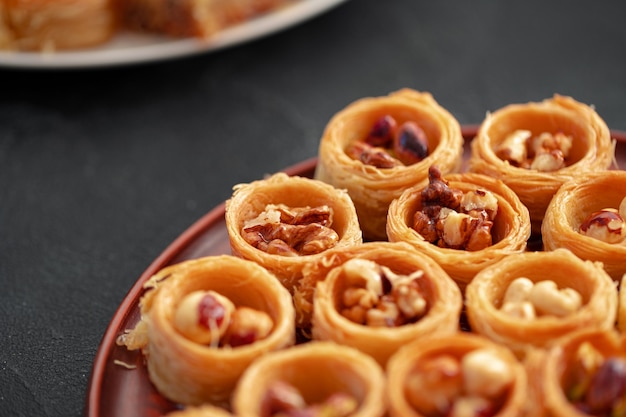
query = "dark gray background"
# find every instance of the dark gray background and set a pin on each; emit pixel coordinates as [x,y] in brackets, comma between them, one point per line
[101,169]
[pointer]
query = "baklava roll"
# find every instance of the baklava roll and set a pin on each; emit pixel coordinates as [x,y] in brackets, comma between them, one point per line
[532,299]
[283,223]
[588,216]
[584,375]
[204,321]
[465,222]
[316,378]
[51,25]
[536,147]
[455,375]
[381,296]
[378,146]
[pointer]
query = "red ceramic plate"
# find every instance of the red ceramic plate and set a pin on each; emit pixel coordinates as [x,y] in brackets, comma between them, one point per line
[115,390]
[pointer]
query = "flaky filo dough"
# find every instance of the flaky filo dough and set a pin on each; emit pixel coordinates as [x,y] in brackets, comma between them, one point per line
[371,188]
[248,200]
[191,373]
[484,296]
[409,358]
[50,25]
[572,204]
[510,231]
[317,370]
[592,148]
[442,296]
[555,373]
[200,411]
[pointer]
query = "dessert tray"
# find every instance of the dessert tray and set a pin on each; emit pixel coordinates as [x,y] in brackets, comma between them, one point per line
[119,383]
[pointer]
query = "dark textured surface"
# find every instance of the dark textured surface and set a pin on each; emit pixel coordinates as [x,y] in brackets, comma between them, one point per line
[101,169]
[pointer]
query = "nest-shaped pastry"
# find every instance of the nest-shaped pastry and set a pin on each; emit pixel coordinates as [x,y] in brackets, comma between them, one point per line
[509,233]
[372,188]
[572,205]
[595,306]
[431,376]
[249,201]
[318,372]
[193,373]
[591,148]
[581,375]
[436,296]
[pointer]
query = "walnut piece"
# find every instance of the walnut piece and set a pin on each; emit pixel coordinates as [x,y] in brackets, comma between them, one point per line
[450,218]
[288,231]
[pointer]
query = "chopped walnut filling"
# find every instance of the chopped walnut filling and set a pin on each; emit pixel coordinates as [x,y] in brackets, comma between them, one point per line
[209,318]
[545,152]
[288,231]
[285,400]
[376,296]
[389,145]
[474,385]
[526,299]
[598,384]
[450,218]
[607,225]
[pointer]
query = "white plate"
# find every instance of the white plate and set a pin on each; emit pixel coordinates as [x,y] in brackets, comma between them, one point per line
[130,48]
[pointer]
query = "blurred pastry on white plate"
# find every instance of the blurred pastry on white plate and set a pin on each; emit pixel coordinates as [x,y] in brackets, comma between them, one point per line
[50,25]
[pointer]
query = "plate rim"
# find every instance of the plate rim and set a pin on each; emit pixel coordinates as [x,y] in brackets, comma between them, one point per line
[165,48]
[186,238]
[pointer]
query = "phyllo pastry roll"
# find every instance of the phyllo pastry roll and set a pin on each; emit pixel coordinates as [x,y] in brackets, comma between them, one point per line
[465,222]
[453,376]
[584,375]
[536,147]
[204,321]
[50,25]
[382,296]
[532,299]
[312,379]
[283,223]
[378,146]
[588,216]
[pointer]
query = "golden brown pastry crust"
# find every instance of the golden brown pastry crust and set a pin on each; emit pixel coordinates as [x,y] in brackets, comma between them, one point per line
[317,369]
[370,188]
[510,232]
[49,25]
[405,360]
[248,200]
[190,373]
[572,204]
[485,293]
[592,147]
[200,411]
[557,364]
[191,18]
[442,295]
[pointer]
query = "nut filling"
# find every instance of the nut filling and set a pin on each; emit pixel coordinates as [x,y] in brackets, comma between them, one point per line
[598,383]
[285,400]
[475,385]
[545,152]
[607,225]
[209,318]
[450,218]
[526,299]
[390,145]
[376,296]
[287,231]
